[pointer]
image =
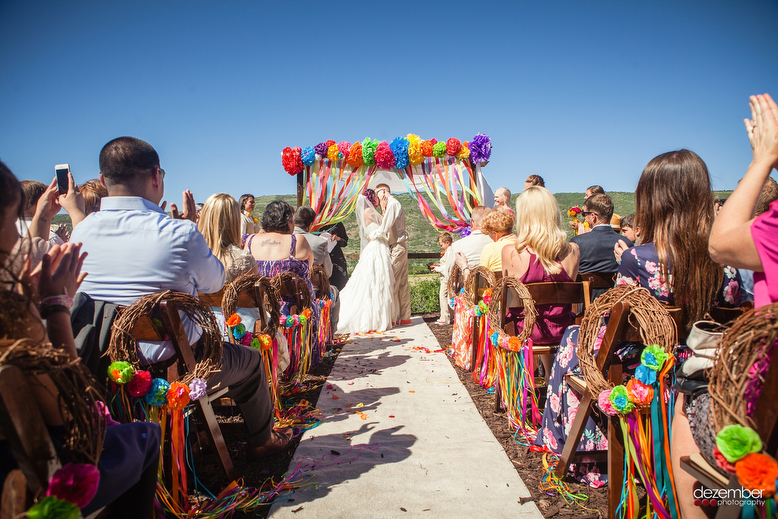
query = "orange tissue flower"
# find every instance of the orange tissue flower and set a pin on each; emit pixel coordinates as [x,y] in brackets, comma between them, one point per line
[756,471]
[234,320]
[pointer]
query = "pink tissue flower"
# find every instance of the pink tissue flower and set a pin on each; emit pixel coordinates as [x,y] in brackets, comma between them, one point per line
[604,403]
[75,482]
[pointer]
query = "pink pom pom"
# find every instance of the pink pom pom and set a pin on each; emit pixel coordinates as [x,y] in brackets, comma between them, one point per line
[604,403]
[139,384]
[384,158]
[246,339]
[75,482]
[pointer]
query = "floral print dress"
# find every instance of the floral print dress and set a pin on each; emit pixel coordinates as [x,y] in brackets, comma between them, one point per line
[639,266]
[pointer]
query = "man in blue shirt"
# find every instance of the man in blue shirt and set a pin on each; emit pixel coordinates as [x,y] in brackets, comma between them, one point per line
[135,249]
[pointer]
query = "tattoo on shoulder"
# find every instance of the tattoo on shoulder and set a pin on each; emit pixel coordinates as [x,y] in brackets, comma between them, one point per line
[270,242]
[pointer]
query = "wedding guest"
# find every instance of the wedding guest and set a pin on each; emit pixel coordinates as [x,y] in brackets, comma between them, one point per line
[136,249]
[593,190]
[541,253]
[597,246]
[498,225]
[93,191]
[582,228]
[444,240]
[502,199]
[738,239]
[628,229]
[466,252]
[616,223]
[220,223]
[303,218]
[339,266]
[534,180]
[248,223]
[130,452]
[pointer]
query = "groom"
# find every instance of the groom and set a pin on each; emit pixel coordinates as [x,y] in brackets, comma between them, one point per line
[393,226]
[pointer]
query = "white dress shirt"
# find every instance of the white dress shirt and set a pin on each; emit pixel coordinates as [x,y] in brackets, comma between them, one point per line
[471,246]
[392,223]
[135,249]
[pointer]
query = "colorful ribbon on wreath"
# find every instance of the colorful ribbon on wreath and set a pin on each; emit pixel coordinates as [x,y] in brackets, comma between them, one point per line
[485,361]
[297,330]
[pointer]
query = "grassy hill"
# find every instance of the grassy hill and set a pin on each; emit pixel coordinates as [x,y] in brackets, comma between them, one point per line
[424,237]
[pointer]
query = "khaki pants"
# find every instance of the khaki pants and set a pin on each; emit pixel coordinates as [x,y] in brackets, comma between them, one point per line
[402,292]
[445,310]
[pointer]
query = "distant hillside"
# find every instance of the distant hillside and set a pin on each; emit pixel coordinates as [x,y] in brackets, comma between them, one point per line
[423,236]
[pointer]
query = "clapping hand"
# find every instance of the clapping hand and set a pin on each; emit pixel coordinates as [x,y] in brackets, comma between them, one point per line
[762,129]
[58,273]
[190,208]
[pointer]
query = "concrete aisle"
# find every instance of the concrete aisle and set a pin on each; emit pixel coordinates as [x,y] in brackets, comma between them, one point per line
[402,438]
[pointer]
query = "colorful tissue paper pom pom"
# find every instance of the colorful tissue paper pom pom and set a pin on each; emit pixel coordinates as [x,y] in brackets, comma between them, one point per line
[289,321]
[75,482]
[514,344]
[239,331]
[480,148]
[620,400]
[266,341]
[452,302]
[332,153]
[329,143]
[308,156]
[415,156]
[369,147]
[433,141]
[307,313]
[735,441]
[197,389]
[234,320]
[52,508]
[178,396]
[605,404]
[399,147]
[291,160]
[722,462]
[757,471]
[453,146]
[439,149]
[296,319]
[140,384]
[495,338]
[321,149]
[645,374]
[464,151]
[653,357]
[157,394]
[302,320]
[426,148]
[120,372]
[639,393]
[505,342]
[355,158]
[384,158]
[344,147]
[246,340]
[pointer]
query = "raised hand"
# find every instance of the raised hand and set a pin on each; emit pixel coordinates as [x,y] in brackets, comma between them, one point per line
[762,129]
[73,202]
[190,208]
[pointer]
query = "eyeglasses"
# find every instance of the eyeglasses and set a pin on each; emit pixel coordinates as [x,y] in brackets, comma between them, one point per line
[587,213]
[161,173]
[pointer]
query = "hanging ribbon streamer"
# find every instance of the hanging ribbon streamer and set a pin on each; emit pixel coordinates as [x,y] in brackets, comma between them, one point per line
[332,189]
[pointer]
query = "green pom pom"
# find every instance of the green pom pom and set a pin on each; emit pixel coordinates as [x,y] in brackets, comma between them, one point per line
[620,400]
[256,344]
[439,149]
[121,372]
[736,441]
[53,508]
[653,357]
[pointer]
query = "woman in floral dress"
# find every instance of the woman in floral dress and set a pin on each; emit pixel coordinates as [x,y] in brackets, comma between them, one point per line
[674,210]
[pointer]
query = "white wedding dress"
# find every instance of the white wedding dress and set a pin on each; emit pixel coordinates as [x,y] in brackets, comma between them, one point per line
[367,301]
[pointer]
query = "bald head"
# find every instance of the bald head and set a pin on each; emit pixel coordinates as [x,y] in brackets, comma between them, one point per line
[477,217]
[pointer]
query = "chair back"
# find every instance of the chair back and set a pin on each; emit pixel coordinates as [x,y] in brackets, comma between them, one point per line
[552,293]
[725,315]
[321,282]
[292,286]
[22,423]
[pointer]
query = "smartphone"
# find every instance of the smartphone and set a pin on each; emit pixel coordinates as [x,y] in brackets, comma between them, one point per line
[62,171]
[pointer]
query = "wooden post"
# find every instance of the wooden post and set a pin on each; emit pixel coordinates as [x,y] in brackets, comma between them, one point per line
[473,183]
[300,189]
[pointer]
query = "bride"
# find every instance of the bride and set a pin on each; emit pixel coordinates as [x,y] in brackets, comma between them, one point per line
[367,301]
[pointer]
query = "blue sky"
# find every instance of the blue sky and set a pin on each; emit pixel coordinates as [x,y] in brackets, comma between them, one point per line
[578,92]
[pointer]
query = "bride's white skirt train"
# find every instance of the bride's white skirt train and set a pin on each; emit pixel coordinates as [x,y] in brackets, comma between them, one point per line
[367,301]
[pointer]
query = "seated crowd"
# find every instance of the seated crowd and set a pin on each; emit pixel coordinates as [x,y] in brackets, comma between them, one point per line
[674,245]
[686,248]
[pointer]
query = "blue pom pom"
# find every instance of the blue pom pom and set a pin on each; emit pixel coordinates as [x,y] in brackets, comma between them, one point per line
[495,338]
[645,374]
[399,147]
[308,155]
[157,395]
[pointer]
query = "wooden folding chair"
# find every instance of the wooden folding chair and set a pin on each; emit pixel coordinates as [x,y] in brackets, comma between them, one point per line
[181,363]
[291,286]
[483,279]
[25,429]
[320,281]
[598,281]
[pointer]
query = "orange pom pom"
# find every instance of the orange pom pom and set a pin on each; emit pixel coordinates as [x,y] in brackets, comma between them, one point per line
[178,396]
[514,344]
[756,471]
[234,320]
[426,148]
[307,313]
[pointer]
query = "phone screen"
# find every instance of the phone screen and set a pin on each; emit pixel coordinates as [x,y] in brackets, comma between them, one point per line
[62,181]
